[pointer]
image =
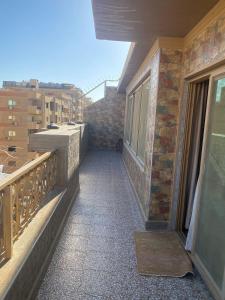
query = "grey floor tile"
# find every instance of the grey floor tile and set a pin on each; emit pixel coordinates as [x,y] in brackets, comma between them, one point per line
[60,283]
[68,259]
[95,257]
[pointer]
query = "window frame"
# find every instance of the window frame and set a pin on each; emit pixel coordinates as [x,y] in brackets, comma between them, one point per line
[11,117]
[130,111]
[11,133]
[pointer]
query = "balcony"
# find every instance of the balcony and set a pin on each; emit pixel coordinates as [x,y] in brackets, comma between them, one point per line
[91,239]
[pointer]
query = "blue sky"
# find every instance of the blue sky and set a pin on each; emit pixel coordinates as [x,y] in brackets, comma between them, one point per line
[54,40]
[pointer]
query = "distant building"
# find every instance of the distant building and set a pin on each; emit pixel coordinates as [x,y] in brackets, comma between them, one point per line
[29,106]
[20,115]
[34,83]
[68,92]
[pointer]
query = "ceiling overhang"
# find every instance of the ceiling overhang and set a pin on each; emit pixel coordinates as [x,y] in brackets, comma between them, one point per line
[142,22]
[136,55]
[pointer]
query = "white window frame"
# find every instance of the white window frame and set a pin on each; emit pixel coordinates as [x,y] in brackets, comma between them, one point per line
[11,133]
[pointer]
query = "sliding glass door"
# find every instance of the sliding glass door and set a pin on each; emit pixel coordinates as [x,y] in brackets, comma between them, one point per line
[210,231]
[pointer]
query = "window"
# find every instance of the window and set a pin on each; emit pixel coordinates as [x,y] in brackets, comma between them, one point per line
[52,106]
[11,103]
[136,119]
[11,133]
[143,119]
[13,118]
[46,105]
[129,118]
[12,149]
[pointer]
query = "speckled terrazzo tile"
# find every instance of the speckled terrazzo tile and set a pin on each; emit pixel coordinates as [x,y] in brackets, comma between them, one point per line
[78,229]
[98,283]
[60,284]
[68,259]
[107,262]
[105,245]
[90,297]
[97,251]
[73,242]
[80,219]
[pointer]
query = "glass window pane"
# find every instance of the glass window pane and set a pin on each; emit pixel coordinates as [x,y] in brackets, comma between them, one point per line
[143,119]
[210,243]
[136,118]
[129,118]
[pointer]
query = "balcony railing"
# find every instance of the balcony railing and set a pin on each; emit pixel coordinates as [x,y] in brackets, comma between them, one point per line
[21,195]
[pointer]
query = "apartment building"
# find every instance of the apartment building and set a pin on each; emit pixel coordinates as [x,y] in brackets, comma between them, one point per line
[28,107]
[69,100]
[20,115]
[56,109]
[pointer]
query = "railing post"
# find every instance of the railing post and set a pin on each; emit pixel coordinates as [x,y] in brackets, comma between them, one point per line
[8,222]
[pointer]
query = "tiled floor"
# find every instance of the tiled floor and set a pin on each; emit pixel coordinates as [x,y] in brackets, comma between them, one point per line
[95,257]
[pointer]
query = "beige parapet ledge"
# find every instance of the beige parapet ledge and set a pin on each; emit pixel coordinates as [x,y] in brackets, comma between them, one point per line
[26,242]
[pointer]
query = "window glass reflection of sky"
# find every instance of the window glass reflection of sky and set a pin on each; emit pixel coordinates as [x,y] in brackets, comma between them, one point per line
[220,87]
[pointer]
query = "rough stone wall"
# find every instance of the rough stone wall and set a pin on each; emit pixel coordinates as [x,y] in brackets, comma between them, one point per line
[165,133]
[207,47]
[105,120]
[73,154]
[157,185]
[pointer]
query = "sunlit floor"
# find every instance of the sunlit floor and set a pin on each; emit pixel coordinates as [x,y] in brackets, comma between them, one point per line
[95,257]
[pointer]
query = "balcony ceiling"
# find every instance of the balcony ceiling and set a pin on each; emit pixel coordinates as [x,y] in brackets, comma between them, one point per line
[144,20]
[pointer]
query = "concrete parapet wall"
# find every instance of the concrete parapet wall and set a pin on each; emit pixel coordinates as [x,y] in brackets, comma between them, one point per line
[67,145]
[21,276]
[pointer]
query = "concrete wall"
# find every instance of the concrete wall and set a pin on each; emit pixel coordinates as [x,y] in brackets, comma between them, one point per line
[67,144]
[105,120]
[83,141]
[20,277]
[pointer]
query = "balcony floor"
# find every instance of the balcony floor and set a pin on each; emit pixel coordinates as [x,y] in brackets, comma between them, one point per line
[95,257]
